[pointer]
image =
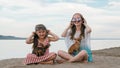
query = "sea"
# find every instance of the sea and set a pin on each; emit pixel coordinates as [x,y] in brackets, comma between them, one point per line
[19,49]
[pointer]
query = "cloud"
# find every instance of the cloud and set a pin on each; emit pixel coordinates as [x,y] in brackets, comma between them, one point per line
[113,5]
[20,3]
[20,17]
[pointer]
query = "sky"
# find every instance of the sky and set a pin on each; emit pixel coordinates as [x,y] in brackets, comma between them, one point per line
[19,17]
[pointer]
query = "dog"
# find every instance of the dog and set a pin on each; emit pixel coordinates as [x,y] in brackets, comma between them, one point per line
[75,46]
[40,50]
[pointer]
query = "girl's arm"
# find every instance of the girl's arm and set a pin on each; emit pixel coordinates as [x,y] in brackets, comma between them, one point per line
[88,29]
[54,36]
[66,30]
[29,40]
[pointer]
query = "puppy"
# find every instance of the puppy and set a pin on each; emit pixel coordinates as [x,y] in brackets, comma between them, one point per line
[40,50]
[75,46]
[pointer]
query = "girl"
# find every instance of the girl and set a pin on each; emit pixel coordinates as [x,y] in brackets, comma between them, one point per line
[40,36]
[78,29]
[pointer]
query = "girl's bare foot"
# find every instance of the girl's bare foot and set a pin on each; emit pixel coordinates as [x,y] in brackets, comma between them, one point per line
[85,61]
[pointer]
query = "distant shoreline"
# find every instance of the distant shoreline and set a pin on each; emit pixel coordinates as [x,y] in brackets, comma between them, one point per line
[2,37]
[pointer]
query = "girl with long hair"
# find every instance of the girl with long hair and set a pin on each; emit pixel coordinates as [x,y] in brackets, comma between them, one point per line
[77,29]
[41,39]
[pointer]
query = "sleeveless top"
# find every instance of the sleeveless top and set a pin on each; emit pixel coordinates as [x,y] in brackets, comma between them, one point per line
[45,43]
[84,45]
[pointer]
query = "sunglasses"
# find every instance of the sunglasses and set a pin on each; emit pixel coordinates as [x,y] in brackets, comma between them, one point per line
[74,20]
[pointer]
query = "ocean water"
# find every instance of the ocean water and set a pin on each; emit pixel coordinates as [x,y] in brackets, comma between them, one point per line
[19,49]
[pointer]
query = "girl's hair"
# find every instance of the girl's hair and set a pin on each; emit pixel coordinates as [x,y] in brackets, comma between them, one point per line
[35,39]
[82,29]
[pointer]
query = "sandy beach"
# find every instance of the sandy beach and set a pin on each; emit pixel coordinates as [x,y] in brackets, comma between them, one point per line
[106,58]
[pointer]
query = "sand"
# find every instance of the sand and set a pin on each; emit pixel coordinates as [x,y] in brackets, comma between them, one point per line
[106,58]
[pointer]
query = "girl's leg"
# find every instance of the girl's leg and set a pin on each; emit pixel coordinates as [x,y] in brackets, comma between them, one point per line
[81,56]
[85,60]
[52,57]
[50,60]
[64,55]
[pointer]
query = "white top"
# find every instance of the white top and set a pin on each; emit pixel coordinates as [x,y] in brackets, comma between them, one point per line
[85,42]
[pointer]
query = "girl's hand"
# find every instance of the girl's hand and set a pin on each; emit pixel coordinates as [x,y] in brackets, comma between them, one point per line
[70,25]
[53,37]
[29,40]
[33,33]
[48,31]
[88,29]
[85,23]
